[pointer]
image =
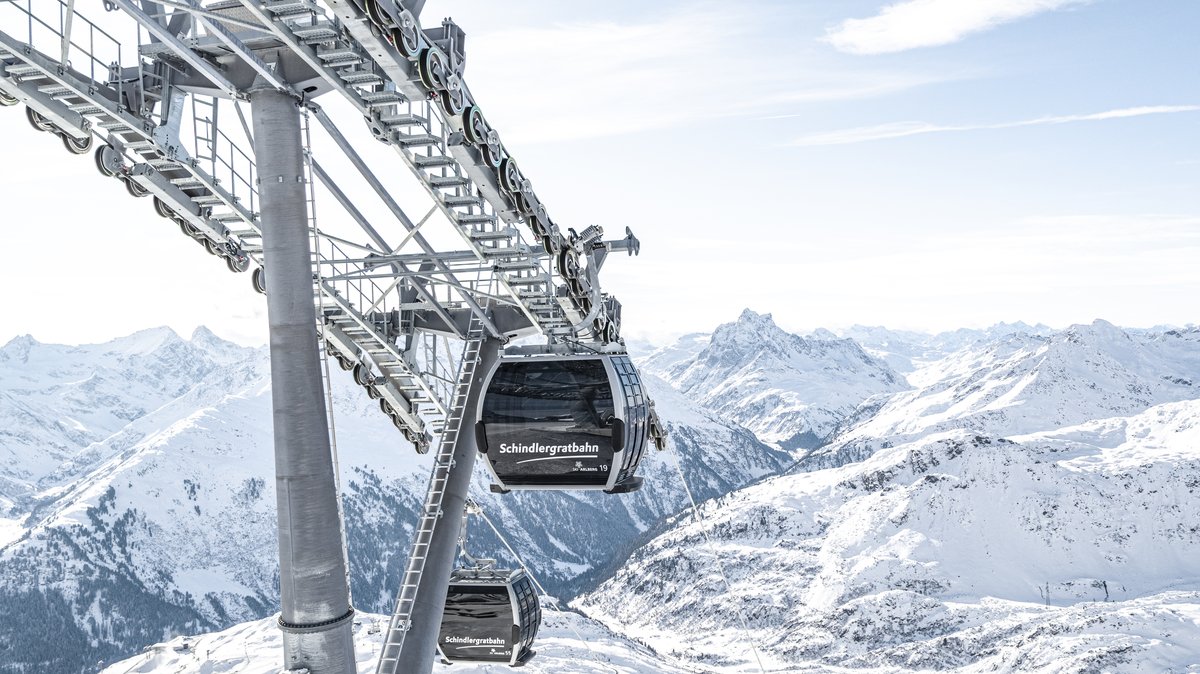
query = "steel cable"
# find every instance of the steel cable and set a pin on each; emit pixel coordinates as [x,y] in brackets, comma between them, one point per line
[720,565]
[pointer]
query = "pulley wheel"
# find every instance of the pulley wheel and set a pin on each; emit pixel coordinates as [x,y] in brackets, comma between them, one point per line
[77,146]
[510,176]
[386,408]
[475,127]
[527,201]
[259,280]
[8,101]
[568,265]
[493,151]
[362,375]
[209,245]
[136,189]
[431,66]
[372,392]
[163,209]
[536,228]
[108,160]
[238,262]
[37,121]
[377,15]
[454,100]
[405,36]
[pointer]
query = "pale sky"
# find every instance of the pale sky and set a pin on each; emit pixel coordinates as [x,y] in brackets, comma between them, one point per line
[921,164]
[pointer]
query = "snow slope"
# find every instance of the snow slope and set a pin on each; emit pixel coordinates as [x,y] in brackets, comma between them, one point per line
[1064,551]
[567,643]
[69,402]
[1026,383]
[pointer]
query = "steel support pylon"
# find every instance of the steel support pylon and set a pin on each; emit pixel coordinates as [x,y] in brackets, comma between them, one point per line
[420,644]
[315,615]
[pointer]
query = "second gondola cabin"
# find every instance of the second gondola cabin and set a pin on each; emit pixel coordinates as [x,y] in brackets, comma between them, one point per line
[490,616]
[564,421]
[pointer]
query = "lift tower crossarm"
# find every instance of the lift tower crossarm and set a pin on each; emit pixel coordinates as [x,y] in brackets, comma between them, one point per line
[264,70]
[398,212]
[158,30]
[358,217]
[443,146]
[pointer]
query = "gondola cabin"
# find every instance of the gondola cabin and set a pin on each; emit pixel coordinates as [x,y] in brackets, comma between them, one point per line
[490,616]
[553,421]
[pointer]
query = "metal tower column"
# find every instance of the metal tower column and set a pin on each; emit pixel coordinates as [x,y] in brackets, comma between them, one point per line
[316,616]
[420,644]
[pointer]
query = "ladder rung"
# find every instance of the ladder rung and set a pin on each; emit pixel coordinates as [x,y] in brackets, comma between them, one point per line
[20,70]
[423,161]
[455,201]
[376,99]
[474,218]
[448,181]
[359,77]
[403,119]
[312,30]
[418,140]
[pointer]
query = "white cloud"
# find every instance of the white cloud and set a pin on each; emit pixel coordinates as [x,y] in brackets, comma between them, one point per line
[929,23]
[616,77]
[865,134]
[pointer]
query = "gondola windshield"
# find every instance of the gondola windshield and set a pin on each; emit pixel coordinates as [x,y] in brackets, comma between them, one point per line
[550,422]
[477,624]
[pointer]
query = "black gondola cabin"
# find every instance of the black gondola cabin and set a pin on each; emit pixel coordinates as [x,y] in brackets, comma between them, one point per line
[564,422]
[490,616]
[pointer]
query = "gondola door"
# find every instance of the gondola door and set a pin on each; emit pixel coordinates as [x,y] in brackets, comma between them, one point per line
[477,624]
[551,421]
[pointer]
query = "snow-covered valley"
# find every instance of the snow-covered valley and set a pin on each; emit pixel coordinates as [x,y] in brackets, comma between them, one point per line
[1019,499]
[130,537]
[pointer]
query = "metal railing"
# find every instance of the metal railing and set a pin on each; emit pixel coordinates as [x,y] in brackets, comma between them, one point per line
[228,164]
[62,41]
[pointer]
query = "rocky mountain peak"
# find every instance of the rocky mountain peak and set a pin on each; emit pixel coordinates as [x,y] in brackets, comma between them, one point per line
[787,388]
[1098,329]
[144,342]
[18,348]
[748,324]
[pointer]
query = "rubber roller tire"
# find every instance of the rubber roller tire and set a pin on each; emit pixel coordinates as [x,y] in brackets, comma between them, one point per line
[76,146]
[38,122]
[259,280]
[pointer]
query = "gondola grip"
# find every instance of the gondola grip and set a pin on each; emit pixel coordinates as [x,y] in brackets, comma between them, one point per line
[481,437]
[618,435]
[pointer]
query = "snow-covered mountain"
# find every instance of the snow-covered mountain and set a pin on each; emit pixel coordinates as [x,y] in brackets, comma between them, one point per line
[907,350]
[69,402]
[129,538]
[1023,383]
[788,389]
[1026,501]
[1070,550]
